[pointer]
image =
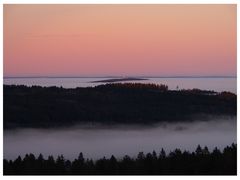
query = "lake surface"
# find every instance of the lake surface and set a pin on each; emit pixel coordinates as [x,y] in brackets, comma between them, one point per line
[96,142]
[216,84]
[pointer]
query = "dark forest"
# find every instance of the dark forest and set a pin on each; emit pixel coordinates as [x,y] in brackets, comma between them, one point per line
[200,162]
[117,103]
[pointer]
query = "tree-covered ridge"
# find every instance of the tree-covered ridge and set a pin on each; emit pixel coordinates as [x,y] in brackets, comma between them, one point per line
[125,103]
[200,162]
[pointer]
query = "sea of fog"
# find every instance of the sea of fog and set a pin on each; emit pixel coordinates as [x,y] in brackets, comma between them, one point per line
[98,141]
[217,84]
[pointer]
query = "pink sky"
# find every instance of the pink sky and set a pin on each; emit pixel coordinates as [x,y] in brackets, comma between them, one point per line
[125,40]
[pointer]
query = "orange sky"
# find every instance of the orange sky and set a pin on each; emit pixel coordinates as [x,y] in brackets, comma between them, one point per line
[130,40]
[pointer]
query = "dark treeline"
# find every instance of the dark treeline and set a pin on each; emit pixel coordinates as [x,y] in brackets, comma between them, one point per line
[200,162]
[125,103]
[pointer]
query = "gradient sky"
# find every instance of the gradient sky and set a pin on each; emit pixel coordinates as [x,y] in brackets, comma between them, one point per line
[125,40]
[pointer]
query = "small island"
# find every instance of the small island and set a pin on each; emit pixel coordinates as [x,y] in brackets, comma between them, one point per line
[119,80]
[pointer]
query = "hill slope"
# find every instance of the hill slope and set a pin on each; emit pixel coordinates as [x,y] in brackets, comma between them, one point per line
[128,103]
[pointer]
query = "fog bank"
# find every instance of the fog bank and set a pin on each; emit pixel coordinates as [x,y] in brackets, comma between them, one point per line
[96,142]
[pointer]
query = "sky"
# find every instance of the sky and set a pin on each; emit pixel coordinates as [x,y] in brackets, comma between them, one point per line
[120,40]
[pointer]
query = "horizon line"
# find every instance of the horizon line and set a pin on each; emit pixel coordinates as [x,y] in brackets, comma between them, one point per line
[140,76]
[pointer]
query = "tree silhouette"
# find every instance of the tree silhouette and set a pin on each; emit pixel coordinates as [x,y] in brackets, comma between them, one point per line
[200,162]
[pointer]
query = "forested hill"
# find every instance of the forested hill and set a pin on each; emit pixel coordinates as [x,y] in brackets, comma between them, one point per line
[127,103]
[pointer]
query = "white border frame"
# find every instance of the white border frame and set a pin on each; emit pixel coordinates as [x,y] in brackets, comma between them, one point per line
[112,2]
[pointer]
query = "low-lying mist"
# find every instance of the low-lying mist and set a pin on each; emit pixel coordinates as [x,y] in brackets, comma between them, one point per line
[98,141]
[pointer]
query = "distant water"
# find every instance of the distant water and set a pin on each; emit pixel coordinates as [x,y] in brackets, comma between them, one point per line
[216,84]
